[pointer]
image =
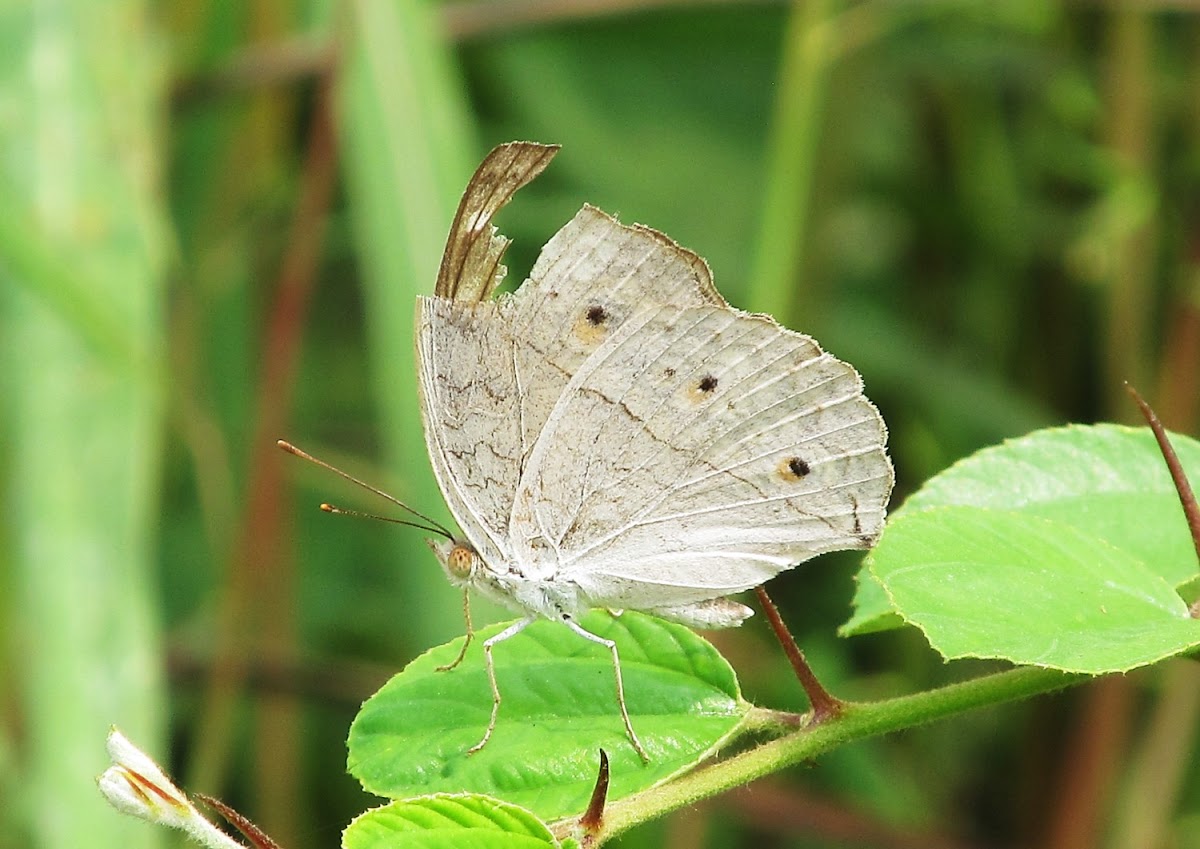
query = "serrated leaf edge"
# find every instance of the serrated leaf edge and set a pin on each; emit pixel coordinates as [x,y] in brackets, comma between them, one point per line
[869,563]
[496,804]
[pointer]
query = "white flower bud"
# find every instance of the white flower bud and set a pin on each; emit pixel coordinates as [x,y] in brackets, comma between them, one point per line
[137,786]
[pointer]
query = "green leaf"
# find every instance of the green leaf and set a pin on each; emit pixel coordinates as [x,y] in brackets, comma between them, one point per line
[872,608]
[1107,481]
[445,820]
[559,707]
[999,584]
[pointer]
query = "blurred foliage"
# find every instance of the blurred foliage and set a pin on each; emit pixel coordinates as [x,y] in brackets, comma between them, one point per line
[988,208]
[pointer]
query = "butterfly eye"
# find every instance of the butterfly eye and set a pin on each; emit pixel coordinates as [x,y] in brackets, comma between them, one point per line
[461,561]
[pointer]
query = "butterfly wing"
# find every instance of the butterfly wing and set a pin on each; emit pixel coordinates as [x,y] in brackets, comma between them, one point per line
[470,270]
[697,452]
[464,354]
[590,278]
[471,409]
[491,372]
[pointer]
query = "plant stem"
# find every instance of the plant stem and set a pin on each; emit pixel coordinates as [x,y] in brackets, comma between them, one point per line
[856,722]
[1130,57]
[799,111]
[824,704]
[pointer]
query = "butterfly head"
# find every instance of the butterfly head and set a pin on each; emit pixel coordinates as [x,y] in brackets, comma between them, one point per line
[458,559]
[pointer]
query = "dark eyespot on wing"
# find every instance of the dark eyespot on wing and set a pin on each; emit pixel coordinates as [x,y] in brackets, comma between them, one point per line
[596,315]
[594,325]
[697,391]
[794,468]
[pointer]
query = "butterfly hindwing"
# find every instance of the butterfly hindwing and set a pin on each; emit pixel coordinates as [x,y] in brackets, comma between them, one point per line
[700,451]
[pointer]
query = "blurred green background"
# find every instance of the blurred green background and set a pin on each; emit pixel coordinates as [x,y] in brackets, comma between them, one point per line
[214,219]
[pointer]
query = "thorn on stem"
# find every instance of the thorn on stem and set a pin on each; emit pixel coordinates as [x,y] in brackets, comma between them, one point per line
[593,818]
[1187,498]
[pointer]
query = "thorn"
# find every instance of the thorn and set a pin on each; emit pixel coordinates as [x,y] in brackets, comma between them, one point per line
[1187,498]
[593,818]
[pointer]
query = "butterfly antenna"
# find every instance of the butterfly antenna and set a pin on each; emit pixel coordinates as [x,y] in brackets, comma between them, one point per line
[432,526]
[358,514]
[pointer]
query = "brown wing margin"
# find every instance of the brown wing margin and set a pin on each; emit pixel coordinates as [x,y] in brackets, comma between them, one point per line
[471,261]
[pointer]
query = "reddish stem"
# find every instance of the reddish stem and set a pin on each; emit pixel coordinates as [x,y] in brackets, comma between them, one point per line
[253,833]
[824,704]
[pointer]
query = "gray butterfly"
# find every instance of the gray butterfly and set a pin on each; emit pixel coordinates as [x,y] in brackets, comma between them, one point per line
[615,435]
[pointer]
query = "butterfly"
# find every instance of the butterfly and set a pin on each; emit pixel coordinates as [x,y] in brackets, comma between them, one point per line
[613,434]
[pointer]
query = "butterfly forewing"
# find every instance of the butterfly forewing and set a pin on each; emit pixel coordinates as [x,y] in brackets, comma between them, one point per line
[492,372]
[470,268]
[592,277]
[471,406]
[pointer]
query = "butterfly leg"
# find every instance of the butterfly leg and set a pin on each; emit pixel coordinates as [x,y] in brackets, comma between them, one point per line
[612,647]
[511,631]
[470,633]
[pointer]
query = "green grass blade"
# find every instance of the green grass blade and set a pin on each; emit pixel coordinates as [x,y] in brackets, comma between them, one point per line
[408,154]
[82,161]
[795,135]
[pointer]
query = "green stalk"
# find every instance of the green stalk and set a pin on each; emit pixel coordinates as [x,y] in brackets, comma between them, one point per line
[82,305]
[808,45]
[408,151]
[1130,134]
[858,722]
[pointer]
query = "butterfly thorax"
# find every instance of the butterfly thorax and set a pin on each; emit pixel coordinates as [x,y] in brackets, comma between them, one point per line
[525,588]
